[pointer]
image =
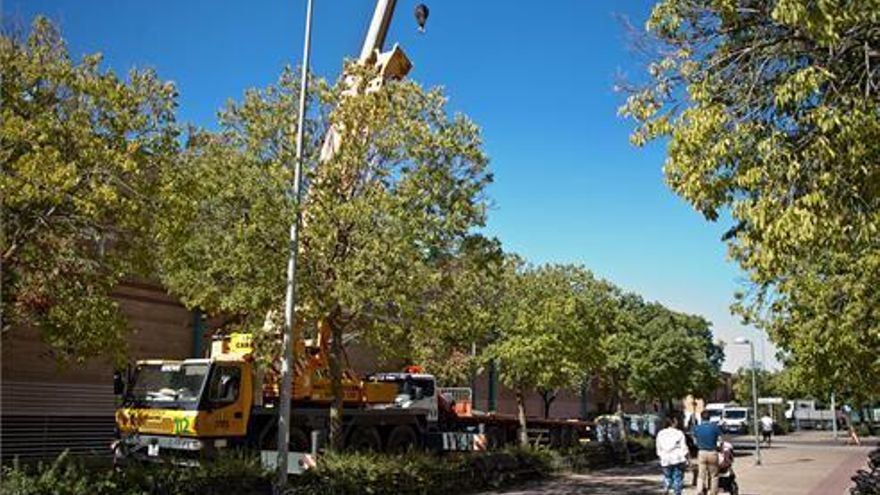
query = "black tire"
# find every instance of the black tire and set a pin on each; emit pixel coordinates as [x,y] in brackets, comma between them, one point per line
[557,437]
[570,437]
[299,440]
[402,439]
[364,439]
[496,439]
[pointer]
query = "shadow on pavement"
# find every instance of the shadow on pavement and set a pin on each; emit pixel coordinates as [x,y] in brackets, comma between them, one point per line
[638,479]
[593,484]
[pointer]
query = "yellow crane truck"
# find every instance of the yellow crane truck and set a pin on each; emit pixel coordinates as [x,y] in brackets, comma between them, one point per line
[184,411]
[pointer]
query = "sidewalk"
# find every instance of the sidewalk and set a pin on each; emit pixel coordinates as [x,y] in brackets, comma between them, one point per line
[804,463]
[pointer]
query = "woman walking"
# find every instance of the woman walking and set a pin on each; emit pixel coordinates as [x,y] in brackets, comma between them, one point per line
[673,453]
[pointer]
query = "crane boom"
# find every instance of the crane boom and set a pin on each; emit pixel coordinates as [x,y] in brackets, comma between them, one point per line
[378,30]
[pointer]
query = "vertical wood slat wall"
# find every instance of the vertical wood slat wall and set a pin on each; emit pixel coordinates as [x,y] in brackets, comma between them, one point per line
[47,407]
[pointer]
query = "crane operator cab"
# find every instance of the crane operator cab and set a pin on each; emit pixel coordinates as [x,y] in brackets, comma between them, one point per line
[414,391]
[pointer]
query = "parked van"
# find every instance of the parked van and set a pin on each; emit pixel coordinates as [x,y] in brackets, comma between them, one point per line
[716,410]
[734,419]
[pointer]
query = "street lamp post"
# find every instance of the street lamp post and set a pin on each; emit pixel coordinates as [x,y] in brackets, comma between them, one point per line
[743,341]
[286,391]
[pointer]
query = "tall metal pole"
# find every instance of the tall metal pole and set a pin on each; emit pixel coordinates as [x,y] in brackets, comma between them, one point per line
[763,351]
[834,414]
[286,392]
[755,405]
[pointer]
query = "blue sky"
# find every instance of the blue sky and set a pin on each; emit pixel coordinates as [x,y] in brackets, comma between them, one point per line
[538,77]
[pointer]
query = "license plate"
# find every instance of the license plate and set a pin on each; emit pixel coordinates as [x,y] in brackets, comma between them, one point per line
[153,450]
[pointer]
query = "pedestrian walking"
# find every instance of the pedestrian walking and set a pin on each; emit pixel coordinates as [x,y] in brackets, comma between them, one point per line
[708,437]
[853,435]
[673,453]
[767,429]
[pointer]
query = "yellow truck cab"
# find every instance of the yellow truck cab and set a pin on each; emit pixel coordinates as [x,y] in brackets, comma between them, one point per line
[185,408]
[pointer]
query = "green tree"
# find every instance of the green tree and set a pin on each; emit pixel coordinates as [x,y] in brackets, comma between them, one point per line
[82,151]
[550,322]
[403,189]
[662,355]
[771,114]
[461,311]
[742,385]
[769,383]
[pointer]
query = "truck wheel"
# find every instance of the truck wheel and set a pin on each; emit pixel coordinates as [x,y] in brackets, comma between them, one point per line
[570,437]
[299,440]
[364,439]
[557,437]
[495,438]
[401,439]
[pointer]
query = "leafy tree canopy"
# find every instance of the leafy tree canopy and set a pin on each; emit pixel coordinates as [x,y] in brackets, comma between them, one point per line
[550,324]
[82,152]
[659,354]
[772,114]
[462,311]
[401,192]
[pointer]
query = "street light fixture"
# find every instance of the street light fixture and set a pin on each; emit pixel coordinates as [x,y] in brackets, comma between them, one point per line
[744,341]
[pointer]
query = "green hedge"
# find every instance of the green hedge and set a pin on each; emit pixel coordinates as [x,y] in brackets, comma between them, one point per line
[235,473]
[420,473]
[336,474]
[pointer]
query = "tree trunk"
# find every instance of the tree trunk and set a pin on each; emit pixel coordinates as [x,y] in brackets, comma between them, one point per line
[548,396]
[335,442]
[585,390]
[615,396]
[623,431]
[521,414]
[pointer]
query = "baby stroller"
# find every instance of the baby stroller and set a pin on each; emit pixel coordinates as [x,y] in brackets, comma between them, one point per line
[726,476]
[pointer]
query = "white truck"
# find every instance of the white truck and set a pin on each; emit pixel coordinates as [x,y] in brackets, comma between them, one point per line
[808,414]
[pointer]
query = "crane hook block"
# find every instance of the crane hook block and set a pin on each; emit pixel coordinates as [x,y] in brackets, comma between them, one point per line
[422,12]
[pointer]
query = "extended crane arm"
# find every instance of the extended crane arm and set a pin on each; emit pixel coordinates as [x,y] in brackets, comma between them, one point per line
[375,39]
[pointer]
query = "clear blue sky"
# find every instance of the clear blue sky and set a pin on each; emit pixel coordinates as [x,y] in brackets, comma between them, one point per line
[537,76]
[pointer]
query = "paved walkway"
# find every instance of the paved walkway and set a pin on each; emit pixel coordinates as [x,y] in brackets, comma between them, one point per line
[806,463]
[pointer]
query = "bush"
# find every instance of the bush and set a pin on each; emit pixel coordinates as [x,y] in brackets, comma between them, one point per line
[599,455]
[231,473]
[239,473]
[421,473]
[63,476]
[642,449]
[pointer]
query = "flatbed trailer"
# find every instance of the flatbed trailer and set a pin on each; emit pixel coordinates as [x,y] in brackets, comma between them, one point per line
[500,430]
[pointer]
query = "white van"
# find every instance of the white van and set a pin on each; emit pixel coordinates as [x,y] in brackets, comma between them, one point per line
[716,410]
[734,419]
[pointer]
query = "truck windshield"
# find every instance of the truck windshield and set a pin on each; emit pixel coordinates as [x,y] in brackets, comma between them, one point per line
[168,385]
[415,388]
[735,414]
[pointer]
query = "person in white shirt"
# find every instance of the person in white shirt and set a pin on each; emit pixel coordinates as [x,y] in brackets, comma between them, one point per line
[673,453]
[767,428]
